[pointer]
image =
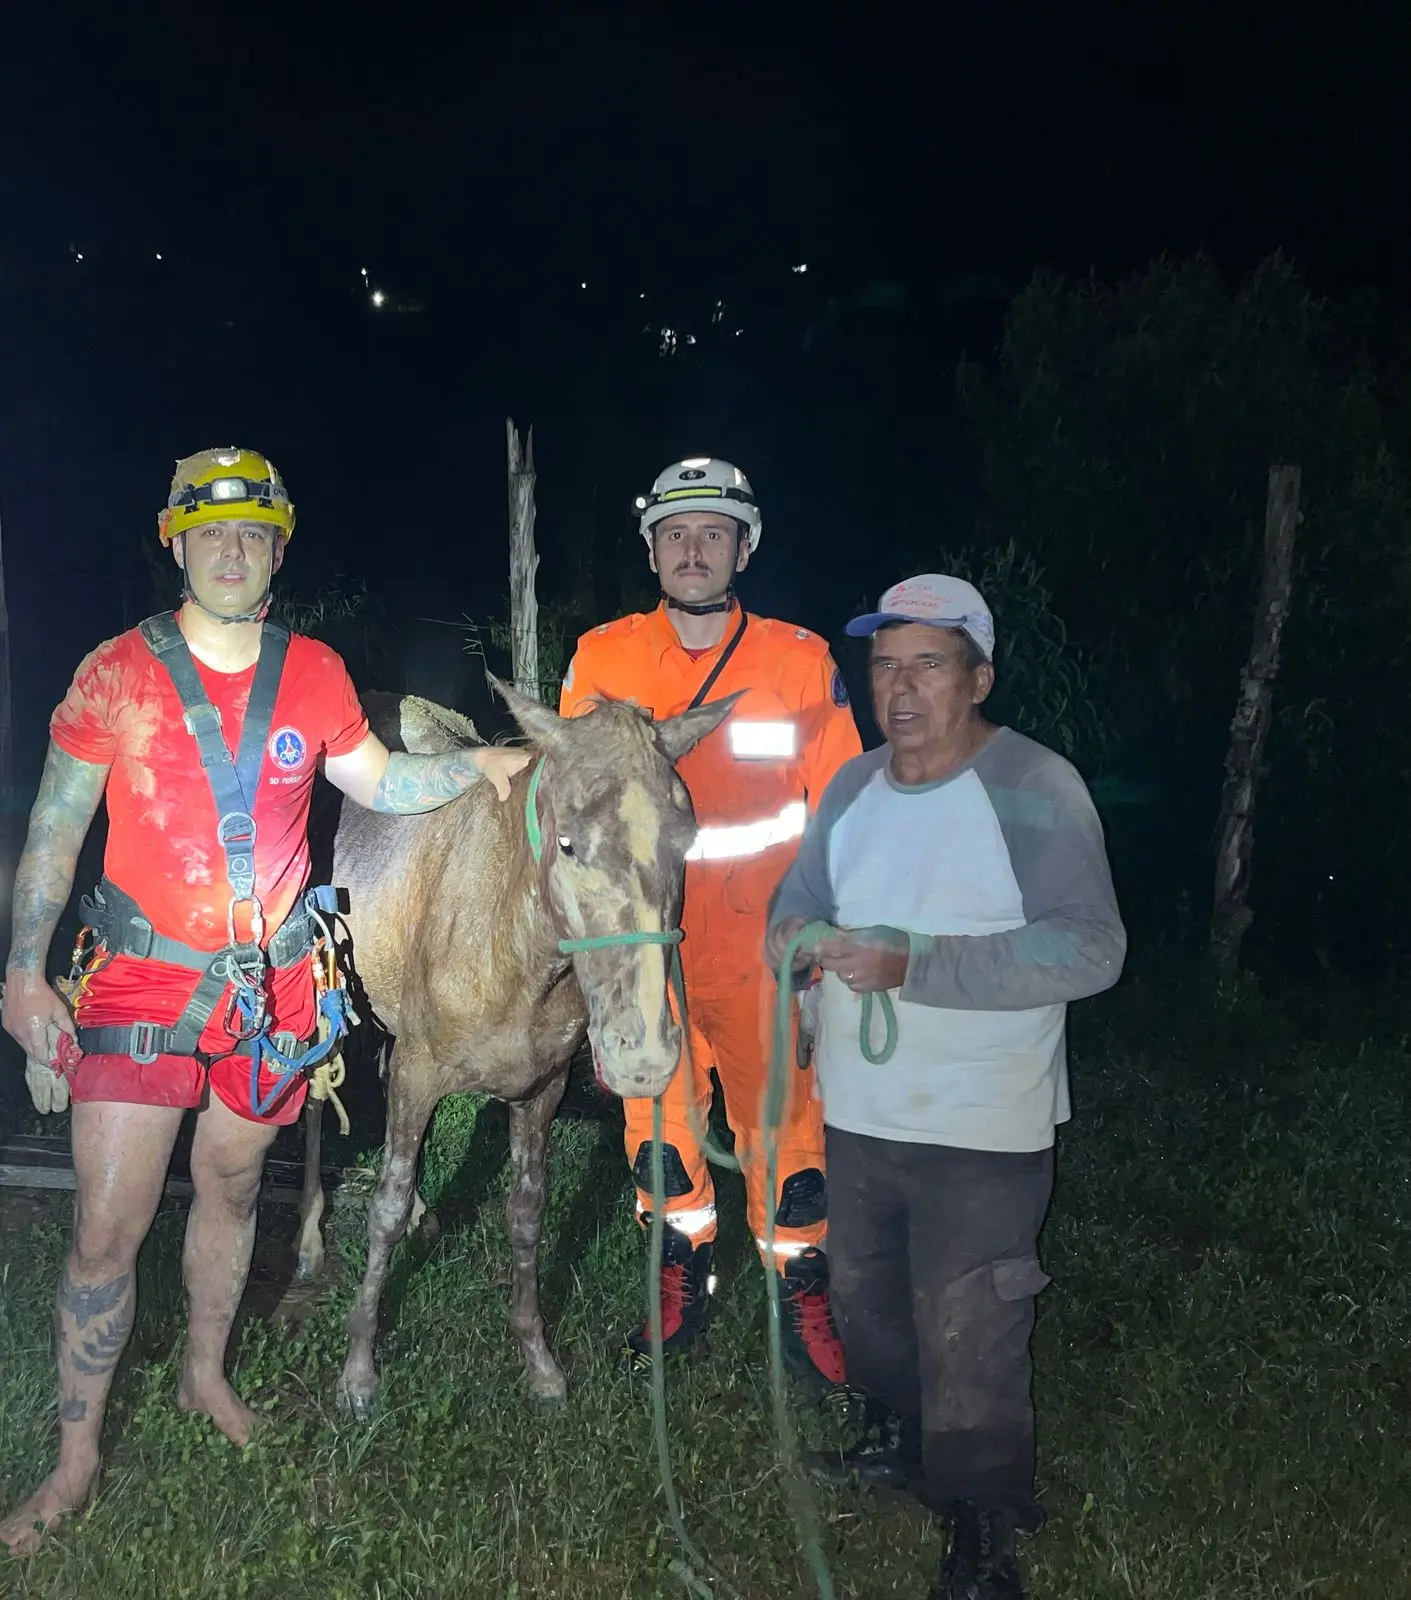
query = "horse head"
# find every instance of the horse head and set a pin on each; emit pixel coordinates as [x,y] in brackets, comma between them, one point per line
[614,823]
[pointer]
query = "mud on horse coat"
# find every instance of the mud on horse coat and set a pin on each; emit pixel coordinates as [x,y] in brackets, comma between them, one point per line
[456,933]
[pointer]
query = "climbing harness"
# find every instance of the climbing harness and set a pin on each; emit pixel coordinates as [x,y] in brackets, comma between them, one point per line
[117,926]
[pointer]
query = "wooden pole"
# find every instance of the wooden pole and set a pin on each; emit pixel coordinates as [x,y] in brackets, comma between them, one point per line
[524,563]
[1249,730]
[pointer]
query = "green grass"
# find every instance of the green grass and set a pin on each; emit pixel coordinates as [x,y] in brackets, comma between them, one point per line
[1223,1369]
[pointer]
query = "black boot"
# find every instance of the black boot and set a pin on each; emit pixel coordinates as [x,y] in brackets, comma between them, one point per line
[686,1300]
[887,1454]
[982,1563]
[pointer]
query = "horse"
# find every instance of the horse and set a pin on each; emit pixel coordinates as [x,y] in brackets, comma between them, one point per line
[488,938]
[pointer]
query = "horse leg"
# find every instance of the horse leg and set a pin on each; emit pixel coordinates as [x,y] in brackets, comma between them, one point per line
[410,1101]
[529,1139]
[311,1200]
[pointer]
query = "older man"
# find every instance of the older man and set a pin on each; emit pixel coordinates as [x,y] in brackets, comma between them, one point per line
[963,870]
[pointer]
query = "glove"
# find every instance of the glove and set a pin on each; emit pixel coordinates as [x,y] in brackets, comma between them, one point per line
[48,1087]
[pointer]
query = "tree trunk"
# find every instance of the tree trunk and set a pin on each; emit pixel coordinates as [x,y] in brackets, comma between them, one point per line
[1250,728]
[524,563]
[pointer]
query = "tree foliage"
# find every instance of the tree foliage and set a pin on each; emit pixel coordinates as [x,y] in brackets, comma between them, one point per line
[1125,434]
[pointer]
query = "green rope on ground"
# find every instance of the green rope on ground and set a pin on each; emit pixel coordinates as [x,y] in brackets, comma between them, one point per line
[781,1063]
[690,1571]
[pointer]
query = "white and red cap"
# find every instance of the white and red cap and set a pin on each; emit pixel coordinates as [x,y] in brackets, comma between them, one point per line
[939,602]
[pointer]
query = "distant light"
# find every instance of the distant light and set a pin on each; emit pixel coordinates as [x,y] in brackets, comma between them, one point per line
[738,332]
[363,271]
[802,267]
[159,255]
[582,285]
[378,298]
[643,295]
[78,255]
[690,338]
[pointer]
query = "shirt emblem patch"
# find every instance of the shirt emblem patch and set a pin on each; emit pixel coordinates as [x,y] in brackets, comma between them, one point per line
[287,749]
[840,689]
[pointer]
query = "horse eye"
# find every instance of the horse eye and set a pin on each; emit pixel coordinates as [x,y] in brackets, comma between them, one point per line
[566,845]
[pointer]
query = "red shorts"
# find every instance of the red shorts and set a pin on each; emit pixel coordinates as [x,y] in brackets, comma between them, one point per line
[129,990]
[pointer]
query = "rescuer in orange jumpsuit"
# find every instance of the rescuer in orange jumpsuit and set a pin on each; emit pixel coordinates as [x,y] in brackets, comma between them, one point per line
[752,783]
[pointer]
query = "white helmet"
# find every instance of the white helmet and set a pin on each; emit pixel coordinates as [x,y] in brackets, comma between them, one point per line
[701,484]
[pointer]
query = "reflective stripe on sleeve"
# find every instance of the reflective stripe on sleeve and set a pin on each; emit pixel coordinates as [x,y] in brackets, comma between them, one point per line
[732,841]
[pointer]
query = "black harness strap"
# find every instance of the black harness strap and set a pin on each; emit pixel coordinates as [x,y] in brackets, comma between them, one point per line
[120,927]
[699,697]
[234,780]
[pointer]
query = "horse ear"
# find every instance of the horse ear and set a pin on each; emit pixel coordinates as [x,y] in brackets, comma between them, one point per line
[536,721]
[677,735]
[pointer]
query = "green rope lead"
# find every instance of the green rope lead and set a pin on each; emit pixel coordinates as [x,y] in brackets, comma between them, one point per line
[801,1504]
[813,934]
[689,1571]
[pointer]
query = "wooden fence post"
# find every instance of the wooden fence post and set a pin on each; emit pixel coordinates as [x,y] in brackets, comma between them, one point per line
[524,563]
[1231,916]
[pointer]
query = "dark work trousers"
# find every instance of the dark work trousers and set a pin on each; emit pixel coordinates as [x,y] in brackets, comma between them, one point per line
[932,1255]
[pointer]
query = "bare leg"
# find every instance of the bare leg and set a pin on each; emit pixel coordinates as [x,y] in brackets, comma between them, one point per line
[529,1139]
[227,1158]
[120,1156]
[410,1102]
[311,1201]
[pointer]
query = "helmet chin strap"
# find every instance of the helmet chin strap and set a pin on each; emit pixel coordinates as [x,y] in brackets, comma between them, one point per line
[726,601]
[258,614]
[703,611]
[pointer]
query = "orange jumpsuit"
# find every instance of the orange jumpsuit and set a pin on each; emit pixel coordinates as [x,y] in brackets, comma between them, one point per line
[751,783]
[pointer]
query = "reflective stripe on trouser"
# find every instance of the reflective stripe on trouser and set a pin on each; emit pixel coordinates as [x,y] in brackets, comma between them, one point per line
[732,1033]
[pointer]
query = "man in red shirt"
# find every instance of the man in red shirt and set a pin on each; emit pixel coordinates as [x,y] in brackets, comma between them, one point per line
[204,730]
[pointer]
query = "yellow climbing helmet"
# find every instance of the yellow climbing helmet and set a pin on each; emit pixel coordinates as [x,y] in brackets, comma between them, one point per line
[221,485]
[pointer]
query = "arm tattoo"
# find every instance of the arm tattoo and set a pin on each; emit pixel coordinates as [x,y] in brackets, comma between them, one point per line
[69,793]
[413,784]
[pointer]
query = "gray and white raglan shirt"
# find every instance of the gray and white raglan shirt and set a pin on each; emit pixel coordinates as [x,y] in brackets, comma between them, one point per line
[999,875]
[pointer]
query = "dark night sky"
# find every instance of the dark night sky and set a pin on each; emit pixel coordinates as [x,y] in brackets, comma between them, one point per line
[486,161]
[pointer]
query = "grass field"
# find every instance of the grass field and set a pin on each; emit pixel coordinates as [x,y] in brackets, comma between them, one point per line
[1223,1367]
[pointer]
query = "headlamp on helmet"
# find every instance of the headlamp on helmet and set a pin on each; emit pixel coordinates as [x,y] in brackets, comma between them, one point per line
[701,483]
[224,485]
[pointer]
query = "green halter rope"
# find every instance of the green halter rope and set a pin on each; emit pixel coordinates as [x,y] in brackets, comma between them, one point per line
[800,1499]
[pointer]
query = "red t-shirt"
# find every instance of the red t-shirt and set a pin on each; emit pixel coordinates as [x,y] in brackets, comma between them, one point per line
[122,709]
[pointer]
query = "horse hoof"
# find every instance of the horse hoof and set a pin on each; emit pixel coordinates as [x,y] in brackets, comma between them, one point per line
[360,1405]
[309,1267]
[549,1403]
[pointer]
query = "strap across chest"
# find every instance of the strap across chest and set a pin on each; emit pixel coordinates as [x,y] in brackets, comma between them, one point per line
[234,779]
